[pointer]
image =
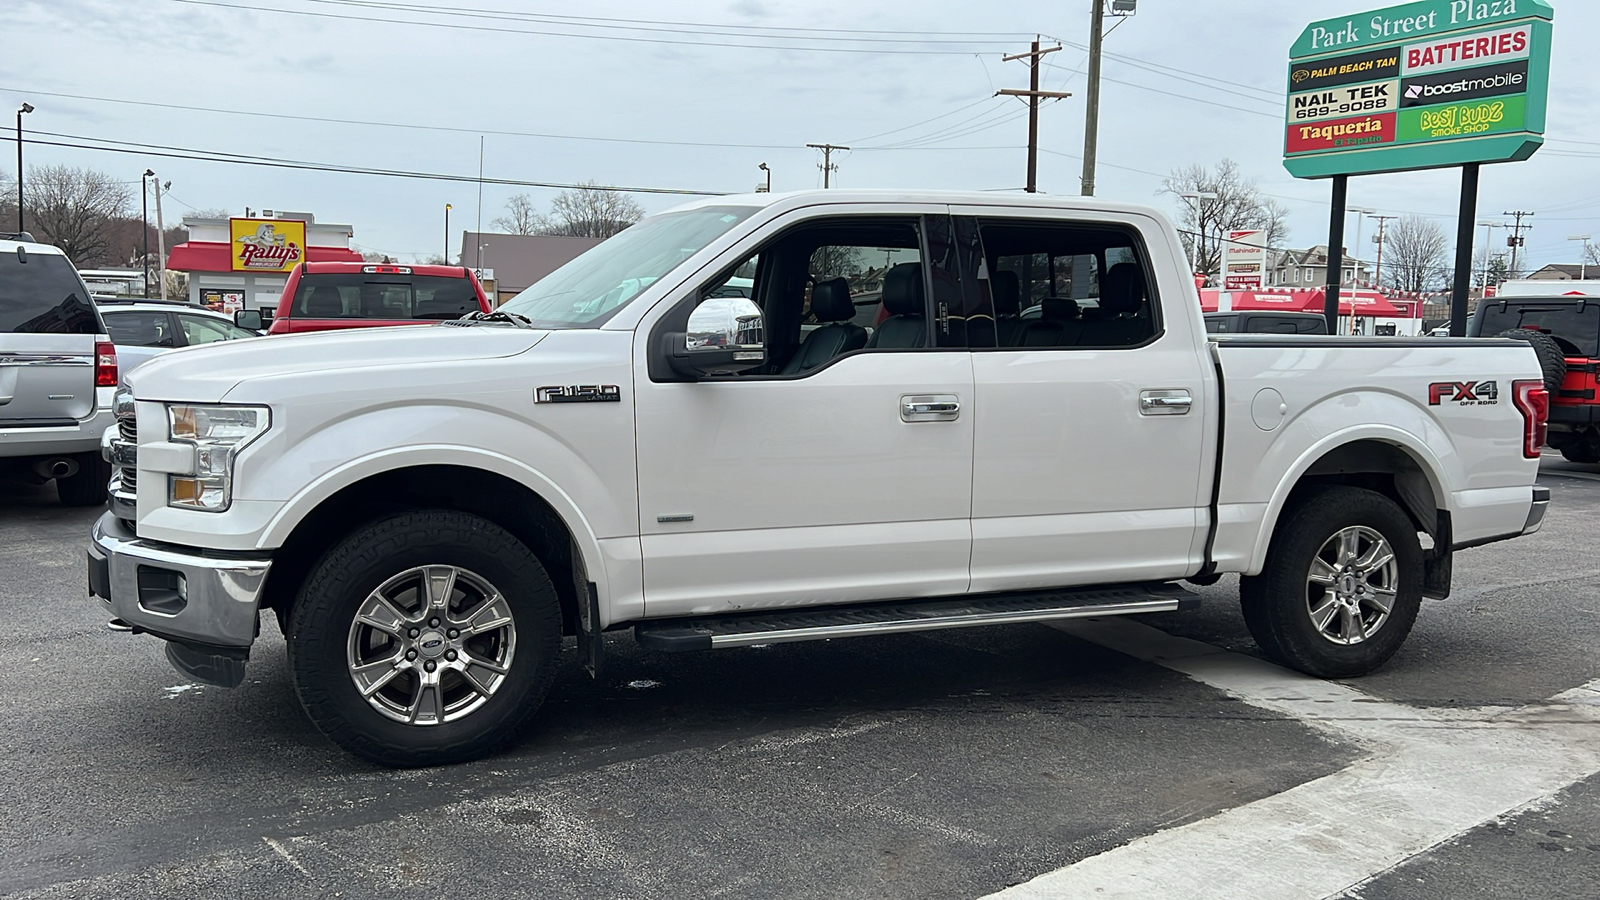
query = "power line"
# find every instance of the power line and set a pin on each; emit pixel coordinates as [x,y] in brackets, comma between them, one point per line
[1145,87]
[600,37]
[158,150]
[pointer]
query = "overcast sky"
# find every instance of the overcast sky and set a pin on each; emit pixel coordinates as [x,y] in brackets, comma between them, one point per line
[702,117]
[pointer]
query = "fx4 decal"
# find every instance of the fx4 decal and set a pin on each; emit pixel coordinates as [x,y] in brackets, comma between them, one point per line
[578,393]
[1463,393]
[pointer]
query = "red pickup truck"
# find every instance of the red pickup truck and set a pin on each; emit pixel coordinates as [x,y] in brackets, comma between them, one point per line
[322,296]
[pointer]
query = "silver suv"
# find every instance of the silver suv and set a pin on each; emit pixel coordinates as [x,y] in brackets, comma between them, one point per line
[58,372]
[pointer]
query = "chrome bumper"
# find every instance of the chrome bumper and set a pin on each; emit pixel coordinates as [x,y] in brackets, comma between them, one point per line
[1541,502]
[174,592]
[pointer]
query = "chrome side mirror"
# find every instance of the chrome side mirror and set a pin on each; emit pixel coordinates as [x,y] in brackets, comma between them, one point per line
[724,336]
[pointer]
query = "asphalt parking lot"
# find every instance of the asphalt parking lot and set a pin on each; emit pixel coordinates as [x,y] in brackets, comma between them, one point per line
[1159,757]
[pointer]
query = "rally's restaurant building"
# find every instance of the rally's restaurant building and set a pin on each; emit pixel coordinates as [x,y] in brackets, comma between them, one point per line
[243,263]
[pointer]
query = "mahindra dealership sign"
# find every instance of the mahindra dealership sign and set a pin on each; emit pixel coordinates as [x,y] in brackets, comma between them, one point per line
[1427,84]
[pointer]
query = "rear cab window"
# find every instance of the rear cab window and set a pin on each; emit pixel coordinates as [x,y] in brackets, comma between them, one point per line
[382,295]
[1575,325]
[41,293]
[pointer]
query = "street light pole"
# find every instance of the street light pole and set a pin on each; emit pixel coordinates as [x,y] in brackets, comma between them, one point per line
[144,204]
[447,208]
[1583,261]
[763,167]
[25,108]
[1196,197]
[1356,269]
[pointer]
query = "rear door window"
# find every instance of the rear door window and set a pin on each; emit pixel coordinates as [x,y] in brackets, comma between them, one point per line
[356,295]
[140,329]
[41,293]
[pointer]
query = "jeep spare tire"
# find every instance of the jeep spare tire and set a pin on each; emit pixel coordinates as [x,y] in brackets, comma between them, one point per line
[1552,362]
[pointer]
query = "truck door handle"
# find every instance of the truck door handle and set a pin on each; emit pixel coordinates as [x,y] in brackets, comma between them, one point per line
[929,408]
[1164,403]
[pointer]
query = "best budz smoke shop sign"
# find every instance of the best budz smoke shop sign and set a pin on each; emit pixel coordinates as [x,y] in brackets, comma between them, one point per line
[1427,84]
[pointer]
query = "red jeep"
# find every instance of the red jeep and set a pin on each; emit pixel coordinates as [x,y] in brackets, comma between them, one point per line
[1571,330]
[325,295]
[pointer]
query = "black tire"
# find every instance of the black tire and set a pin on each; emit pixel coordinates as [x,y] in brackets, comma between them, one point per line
[86,487]
[325,640]
[1552,362]
[1581,451]
[1278,604]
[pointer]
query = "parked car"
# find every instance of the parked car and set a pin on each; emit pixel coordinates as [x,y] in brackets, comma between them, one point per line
[58,372]
[428,511]
[323,296]
[1266,323]
[143,328]
[1565,331]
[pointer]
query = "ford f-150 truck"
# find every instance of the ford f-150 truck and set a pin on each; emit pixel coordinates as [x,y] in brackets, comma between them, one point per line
[631,444]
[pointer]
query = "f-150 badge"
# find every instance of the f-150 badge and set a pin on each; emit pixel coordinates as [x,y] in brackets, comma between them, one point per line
[1465,393]
[578,393]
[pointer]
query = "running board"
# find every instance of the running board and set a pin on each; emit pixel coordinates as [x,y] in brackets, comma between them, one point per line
[860,620]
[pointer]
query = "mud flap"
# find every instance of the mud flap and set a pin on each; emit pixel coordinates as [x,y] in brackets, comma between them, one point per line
[591,643]
[1438,561]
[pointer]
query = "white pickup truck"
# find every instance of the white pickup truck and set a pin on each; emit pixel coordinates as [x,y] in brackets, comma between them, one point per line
[794,417]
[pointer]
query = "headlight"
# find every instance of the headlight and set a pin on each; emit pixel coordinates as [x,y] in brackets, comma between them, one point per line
[218,433]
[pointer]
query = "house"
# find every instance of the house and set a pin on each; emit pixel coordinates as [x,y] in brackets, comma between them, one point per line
[1565,272]
[518,260]
[1309,268]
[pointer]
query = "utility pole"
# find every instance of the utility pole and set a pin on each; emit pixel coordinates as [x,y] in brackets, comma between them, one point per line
[25,108]
[144,221]
[1033,94]
[1091,115]
[161,244]
[1516,240]
[1583,261]
[1488,256]
[1377,271]
[827,159]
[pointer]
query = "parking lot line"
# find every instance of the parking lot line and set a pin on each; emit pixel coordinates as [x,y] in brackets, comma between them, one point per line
[1428,776]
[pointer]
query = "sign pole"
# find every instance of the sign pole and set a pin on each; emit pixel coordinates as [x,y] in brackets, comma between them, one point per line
[1330,298]
[1464,226]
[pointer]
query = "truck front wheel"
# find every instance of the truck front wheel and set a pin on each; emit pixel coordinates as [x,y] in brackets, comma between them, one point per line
[425,639]
[1341,587]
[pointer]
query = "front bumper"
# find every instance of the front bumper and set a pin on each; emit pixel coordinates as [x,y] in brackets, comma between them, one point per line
[176,592]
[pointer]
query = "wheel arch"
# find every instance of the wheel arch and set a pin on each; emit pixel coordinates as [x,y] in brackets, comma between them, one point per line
[1380,458]
[563,543]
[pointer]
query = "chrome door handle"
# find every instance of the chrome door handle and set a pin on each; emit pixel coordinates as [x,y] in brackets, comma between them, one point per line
[929,408]
[1165,403]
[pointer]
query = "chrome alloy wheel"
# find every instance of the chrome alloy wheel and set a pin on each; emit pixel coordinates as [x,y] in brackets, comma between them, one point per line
[431,645]
[1351,585]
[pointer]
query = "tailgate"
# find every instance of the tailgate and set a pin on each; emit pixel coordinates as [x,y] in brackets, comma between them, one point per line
[46,379]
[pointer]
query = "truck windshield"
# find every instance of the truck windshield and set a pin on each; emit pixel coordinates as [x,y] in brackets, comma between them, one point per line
[1575,326]
[40,293]
[590,289]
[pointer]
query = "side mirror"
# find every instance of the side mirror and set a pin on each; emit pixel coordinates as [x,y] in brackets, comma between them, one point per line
[725,336]
[249,319]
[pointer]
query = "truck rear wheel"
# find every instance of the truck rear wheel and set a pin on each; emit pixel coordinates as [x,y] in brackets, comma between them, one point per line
[425,639]
[1341,587]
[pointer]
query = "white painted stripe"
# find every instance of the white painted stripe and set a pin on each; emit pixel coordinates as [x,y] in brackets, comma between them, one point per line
[1429,775]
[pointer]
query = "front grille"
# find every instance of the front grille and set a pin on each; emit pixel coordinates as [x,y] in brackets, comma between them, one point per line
[127,481]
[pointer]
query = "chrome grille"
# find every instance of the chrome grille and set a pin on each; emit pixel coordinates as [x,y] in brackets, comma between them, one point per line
[126,482]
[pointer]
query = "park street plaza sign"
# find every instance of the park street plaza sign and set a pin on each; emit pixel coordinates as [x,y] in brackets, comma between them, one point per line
[1420,86]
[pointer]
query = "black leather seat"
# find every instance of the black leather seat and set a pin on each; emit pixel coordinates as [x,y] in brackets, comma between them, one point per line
[830,303]
[1124,319]
[324,303]
[1006,290]
[1058,324]
[907,325]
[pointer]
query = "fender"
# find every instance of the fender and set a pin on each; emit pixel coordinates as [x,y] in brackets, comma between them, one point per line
[1411,444]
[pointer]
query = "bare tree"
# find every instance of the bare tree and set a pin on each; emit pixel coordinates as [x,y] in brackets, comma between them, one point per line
[591,211]
[8,201]
[1591,254]
[1238,205]
[521,217]
[76,210]
[1416,252]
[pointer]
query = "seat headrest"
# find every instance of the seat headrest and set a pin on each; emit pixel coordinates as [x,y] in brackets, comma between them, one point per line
[830,301]
[1122,289]
[1006,289]
[902,290]
[1058,309]
[325,300]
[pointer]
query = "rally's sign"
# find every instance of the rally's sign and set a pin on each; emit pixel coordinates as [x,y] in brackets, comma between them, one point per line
[1430,83]
[266,245]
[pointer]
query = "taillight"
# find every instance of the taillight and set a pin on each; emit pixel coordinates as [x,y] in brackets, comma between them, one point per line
[105,364]
[1533,401]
